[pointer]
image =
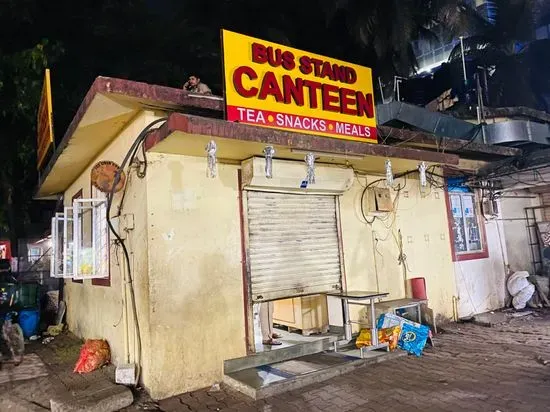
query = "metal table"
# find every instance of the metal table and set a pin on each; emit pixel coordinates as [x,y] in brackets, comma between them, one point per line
[395,305]
[360,295]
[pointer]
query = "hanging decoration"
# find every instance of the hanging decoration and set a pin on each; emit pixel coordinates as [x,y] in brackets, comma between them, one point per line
[310,163]
[269,152]
[389,173]
[422,170]
[212,169]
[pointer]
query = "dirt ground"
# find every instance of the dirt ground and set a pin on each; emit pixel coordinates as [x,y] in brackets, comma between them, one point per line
[504,368]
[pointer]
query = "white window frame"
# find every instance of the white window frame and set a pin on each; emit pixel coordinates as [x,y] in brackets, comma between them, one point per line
[100,239]
[68,243]
[61,243]
[464,226]
[56,262]
[33,257]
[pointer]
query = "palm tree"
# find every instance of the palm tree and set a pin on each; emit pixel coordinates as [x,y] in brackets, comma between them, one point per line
[387,27]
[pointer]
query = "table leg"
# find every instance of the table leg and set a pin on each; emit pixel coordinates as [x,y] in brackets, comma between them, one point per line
[374,330]
[347,323]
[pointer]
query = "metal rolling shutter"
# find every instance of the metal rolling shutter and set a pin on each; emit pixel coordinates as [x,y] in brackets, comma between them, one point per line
[293,245]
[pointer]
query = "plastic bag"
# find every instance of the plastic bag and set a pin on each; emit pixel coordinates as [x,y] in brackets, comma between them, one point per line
[93,355]
[386,335]
[520,288]
[520,300]
[517,281]
[413,338]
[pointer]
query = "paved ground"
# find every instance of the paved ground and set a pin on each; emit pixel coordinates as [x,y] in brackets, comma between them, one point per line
[472,368]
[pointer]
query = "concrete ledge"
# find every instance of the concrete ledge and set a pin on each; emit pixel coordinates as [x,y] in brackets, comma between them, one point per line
[15,404]
[301,381]
[279,355]
[109,399]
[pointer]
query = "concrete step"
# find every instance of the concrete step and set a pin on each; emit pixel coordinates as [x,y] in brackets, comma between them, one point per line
[100,398]
[267,380]
[278,354]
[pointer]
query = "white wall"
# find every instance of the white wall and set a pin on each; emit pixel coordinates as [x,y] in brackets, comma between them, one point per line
[481,283]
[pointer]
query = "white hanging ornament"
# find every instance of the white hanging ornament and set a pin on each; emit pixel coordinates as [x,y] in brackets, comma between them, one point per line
[310,163]
[269,152]
[422,170]
[389,173]
[212,169]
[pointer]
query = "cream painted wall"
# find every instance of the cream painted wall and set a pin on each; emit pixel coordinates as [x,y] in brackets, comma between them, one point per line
[196,291]
[371,252]
[97,311]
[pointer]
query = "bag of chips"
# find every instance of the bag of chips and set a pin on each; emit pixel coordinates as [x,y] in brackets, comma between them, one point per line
[413,338]
[386,335]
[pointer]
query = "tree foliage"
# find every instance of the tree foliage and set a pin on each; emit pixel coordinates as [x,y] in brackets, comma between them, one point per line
[20,86]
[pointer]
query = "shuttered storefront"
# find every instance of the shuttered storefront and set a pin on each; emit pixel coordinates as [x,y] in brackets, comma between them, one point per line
[293,245]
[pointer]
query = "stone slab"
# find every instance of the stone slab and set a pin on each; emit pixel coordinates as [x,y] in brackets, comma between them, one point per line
[106,399]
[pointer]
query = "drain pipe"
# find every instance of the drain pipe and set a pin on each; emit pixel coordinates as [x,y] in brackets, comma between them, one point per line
[455,308]
[375,243]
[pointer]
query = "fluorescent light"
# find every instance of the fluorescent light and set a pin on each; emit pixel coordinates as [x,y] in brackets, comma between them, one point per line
[327,154]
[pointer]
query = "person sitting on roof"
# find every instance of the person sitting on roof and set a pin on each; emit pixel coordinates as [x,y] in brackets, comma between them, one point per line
[194,85]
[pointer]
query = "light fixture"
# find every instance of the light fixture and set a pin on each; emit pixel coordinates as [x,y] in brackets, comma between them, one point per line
[211,149]
[310,163]
[389,173]
[327,154]
[422,170]
[269,152]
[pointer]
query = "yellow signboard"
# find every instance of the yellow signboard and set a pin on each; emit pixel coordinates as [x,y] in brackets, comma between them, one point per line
[45,121]
[271,85]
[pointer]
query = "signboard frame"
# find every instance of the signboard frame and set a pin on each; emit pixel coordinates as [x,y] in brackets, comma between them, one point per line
[279,87]
[44,128]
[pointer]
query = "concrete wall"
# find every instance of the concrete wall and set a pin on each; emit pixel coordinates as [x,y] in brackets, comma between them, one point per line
[371,250]
[515,228]
[482,283]
[98,311]
[196,292]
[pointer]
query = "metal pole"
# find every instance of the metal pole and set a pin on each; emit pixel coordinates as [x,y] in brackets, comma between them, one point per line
[463,60]
[381,90]
[373,330]
[347,323]
[398,92]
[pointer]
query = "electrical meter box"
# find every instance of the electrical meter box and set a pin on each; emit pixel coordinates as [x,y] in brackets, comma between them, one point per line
[379,200]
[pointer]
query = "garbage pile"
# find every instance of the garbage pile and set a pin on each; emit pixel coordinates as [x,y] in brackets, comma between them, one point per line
[94,354]
[397,332]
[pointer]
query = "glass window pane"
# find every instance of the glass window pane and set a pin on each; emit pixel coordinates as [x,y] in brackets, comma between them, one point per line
[458,224]
[68,243]
[473,237]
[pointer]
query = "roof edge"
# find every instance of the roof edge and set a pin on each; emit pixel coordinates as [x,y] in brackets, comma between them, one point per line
[165,98]
[238,131]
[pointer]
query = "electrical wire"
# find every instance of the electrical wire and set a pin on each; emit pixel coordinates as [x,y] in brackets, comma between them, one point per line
[139,140]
